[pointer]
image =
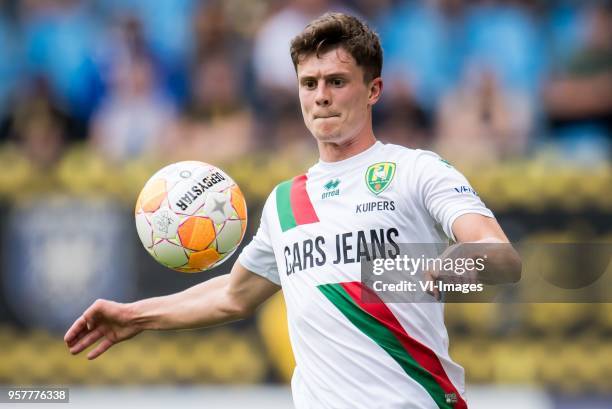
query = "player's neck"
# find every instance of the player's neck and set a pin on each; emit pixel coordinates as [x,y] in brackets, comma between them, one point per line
[334,152]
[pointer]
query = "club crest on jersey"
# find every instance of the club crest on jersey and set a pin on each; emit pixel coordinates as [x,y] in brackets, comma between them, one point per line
[378,177]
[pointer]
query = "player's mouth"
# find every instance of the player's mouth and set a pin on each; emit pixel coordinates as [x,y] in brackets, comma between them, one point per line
[326,116]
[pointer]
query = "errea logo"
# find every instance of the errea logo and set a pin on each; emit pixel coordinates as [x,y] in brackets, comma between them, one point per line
[332,184]
[331,188]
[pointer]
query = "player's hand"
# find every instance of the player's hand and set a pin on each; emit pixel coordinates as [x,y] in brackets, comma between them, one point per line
[464,275]
[104,320]
[433,277]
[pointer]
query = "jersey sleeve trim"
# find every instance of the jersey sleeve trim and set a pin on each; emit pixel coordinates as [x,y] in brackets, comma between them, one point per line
[448,228]
[268,275]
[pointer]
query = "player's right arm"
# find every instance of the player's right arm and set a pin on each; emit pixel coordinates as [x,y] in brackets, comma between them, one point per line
[219,300]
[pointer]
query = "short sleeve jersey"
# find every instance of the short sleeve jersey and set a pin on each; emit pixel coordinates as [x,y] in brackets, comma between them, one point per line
[314,231]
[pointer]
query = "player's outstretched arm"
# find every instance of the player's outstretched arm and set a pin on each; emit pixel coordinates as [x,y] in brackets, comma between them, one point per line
[503,262]
[219,300]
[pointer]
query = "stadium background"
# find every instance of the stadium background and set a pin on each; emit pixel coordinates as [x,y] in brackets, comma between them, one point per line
[97,95]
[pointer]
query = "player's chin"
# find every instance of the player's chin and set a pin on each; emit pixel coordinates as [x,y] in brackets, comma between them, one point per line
[326,135]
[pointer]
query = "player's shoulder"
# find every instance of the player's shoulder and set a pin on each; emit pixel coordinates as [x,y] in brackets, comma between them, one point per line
[425,157]
[413,157]
[280,193]
[285,187]
[287,183]
[393,149]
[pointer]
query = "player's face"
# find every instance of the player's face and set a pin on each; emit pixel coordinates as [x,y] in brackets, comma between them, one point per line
[334,98]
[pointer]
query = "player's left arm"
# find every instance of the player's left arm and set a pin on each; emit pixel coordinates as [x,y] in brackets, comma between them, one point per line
[478,236]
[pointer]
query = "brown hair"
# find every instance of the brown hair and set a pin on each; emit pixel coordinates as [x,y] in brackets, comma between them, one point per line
[334,30]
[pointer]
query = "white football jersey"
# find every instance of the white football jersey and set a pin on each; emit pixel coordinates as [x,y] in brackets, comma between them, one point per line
[315,229]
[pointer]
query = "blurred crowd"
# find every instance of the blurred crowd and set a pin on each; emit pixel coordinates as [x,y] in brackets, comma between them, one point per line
[476,80]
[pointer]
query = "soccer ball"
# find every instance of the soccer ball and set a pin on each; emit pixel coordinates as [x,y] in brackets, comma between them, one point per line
[190,216]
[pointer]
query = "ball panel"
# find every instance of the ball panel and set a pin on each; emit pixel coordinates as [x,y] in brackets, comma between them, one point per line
[170,254]
[217,207]
[238,202]
[165,223]
[144,229]
[213,179]
[188,270]
[152,195]
[186,197]
[196,233]
[203,259]
[172,171]
[229,236]
[224,257]
[138,207]
[172,174]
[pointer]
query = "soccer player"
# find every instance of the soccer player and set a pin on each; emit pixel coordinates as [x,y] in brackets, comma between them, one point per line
[314,231]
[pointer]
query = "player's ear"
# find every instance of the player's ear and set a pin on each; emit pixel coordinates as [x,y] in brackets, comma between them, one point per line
[376,86]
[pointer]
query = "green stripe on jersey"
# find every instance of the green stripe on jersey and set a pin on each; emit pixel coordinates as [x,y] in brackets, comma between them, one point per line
[283,205]
[385,339]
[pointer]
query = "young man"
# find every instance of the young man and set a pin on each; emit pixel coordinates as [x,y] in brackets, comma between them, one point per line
[349,354]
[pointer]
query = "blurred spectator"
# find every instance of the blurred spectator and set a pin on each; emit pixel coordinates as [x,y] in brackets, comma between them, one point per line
[504,38]
[59,40]
[418,42]
[399,119]
[38,126]
[164,25]
[9,58]
[480,121]
[272,63]
[167,30]
[370,10]
[214,33]
[132,119]
[578,98]
[216,126]
[123,41]
[291,140]
[565,28]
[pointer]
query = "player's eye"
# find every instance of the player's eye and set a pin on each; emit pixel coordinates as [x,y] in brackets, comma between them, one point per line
[337,82]
[309,84]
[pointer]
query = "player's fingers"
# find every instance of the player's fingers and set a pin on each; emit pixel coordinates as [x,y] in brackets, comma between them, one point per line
[78,328]
[433,290]
[94,312]
[83,329]
[86,341]
[100,349]
[76,339]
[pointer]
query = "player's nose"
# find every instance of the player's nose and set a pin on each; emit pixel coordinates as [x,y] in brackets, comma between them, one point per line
[323,96]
